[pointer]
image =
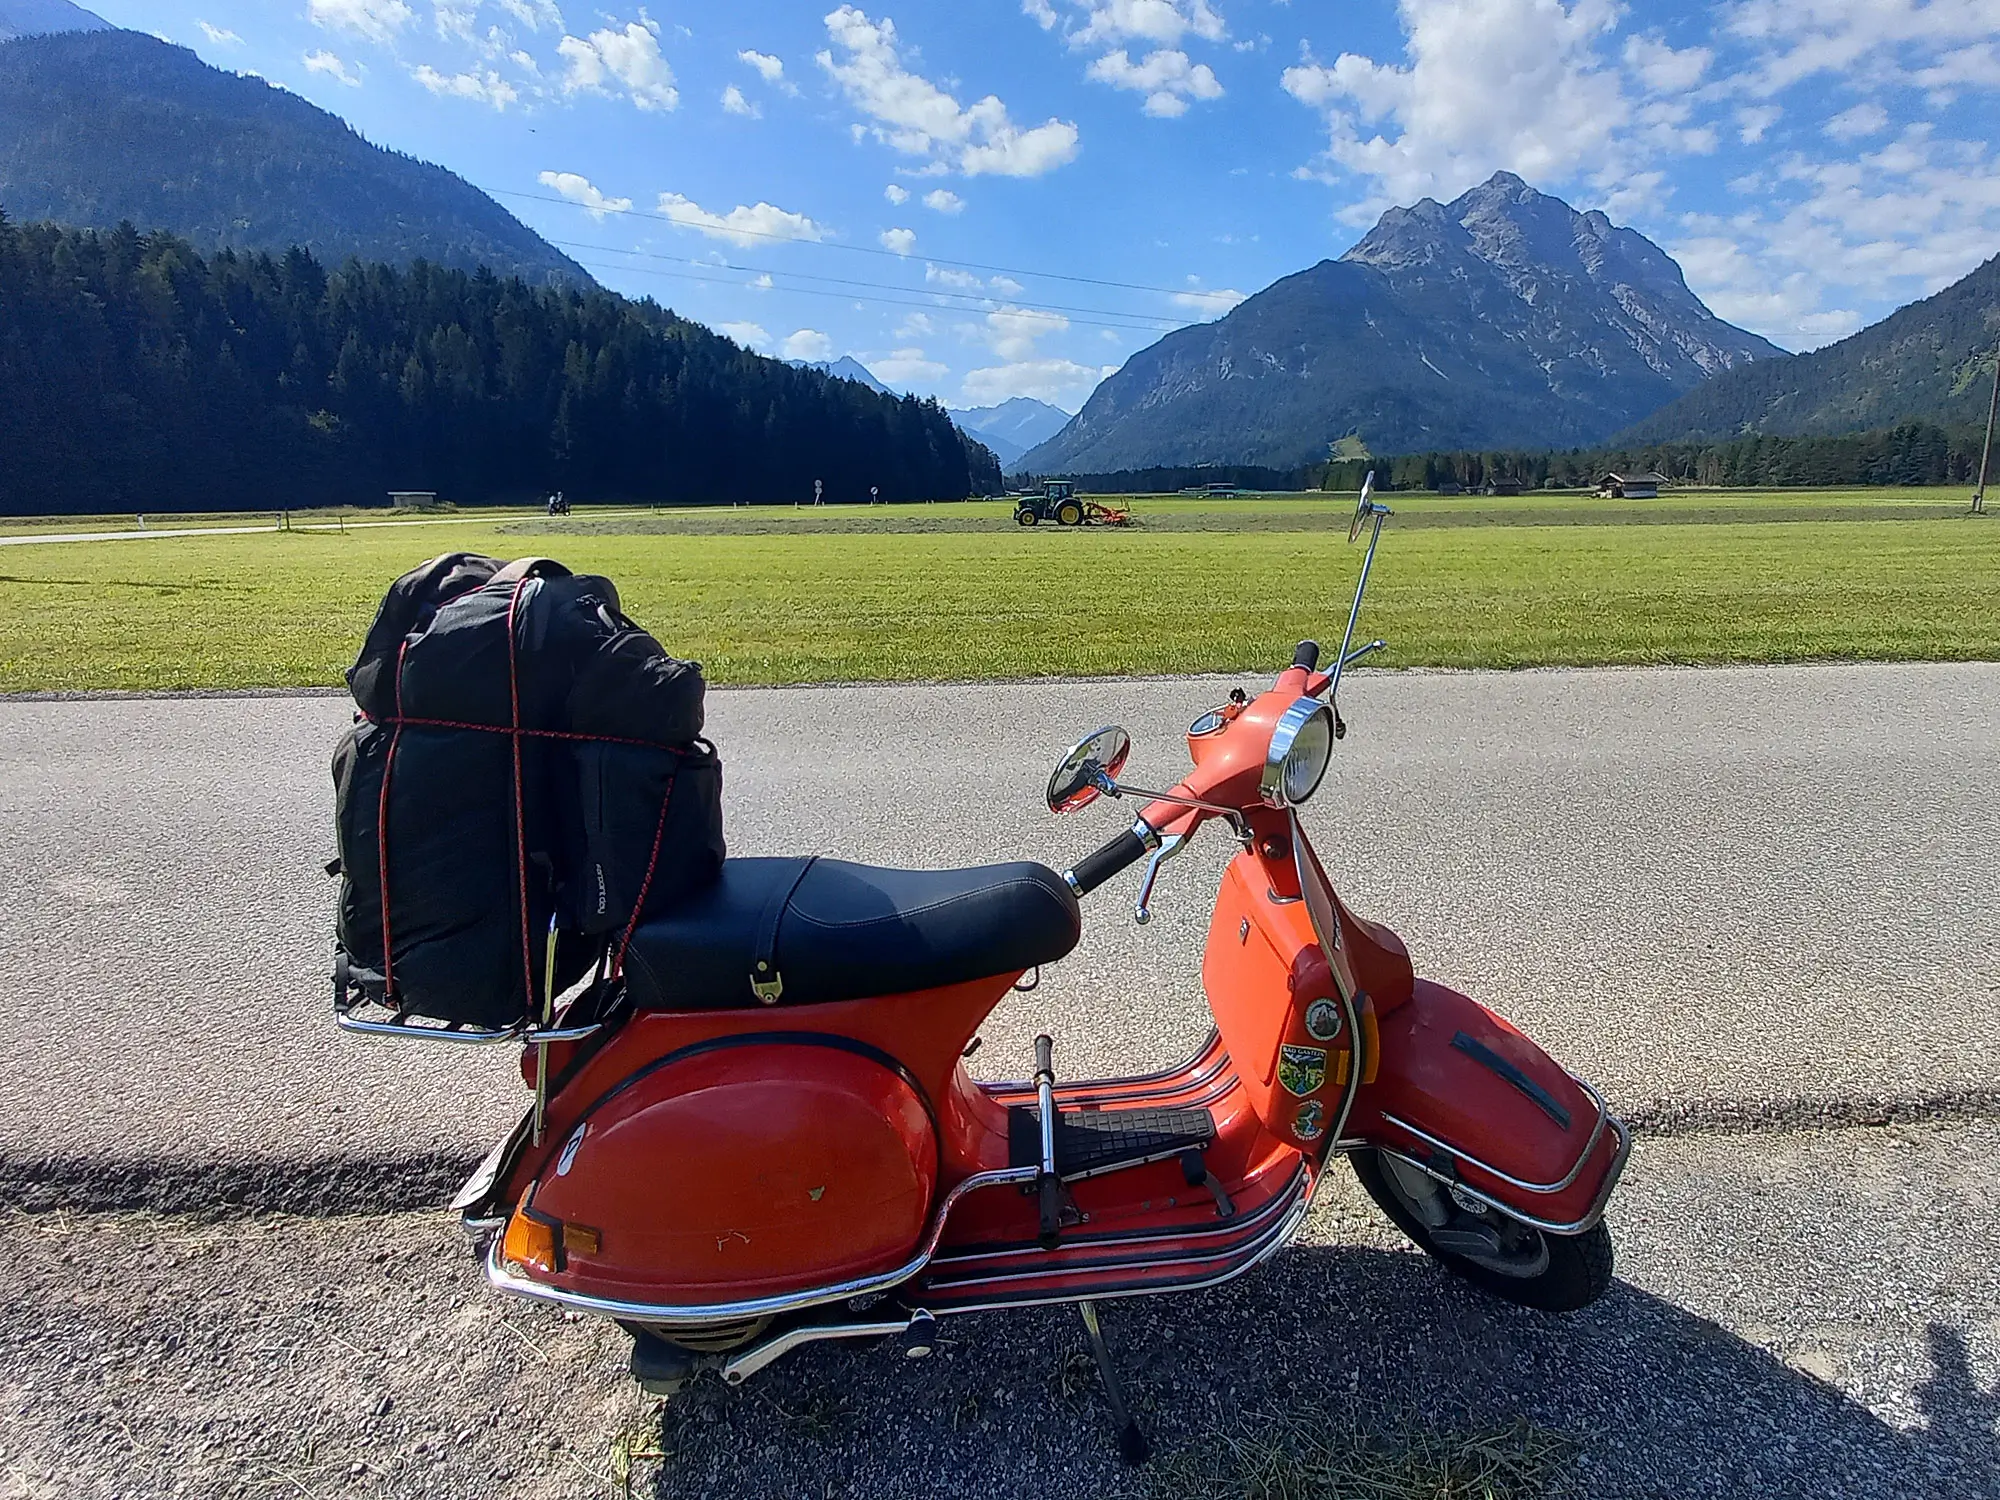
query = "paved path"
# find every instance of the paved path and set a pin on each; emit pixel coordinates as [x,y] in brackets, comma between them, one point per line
[1764,889]
[160,533]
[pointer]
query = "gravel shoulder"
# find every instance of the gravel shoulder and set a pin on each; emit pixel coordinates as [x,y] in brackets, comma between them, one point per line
[1755,1345]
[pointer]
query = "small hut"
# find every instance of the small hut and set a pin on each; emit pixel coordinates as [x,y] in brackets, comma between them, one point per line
[1631,486]
[1503,486]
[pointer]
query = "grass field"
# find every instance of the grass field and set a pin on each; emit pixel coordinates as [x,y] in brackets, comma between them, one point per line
[777,595]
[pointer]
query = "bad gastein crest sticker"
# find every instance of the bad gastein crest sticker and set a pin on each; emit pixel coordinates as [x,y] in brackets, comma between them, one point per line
[1302,1069]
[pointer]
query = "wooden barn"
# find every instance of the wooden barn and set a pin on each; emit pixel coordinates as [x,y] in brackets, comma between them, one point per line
[1631,486]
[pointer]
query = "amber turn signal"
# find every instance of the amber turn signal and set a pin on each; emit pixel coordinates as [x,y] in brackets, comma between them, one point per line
[534,1242]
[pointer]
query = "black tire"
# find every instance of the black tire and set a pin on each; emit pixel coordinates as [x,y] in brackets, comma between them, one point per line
[1578,1272]
[1069,513]
[1025,517]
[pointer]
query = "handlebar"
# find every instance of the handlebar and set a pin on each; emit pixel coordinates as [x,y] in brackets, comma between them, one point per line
[1124,851]
[1306,655]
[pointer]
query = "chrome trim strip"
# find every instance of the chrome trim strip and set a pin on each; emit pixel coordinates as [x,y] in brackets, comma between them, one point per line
[1589,1149]
[1221,1229]
[1271,1245]
[500,1275]
[1076,1093]
[1548,1226]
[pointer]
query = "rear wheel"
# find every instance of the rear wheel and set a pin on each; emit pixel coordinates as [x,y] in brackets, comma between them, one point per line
[1069,513]
[1502,1256]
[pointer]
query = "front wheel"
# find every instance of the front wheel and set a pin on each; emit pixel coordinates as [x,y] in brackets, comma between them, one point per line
[1510,1260]
[1025,517]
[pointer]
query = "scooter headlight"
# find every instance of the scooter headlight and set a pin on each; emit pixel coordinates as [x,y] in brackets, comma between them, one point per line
[1301,750]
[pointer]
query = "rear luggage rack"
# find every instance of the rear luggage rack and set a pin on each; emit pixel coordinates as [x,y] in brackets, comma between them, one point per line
[398,1023]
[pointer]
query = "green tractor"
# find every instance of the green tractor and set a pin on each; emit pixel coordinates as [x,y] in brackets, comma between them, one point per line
[1057,502]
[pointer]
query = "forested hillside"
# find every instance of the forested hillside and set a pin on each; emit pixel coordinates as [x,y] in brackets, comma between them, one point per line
[101,127]
[1931,361]
[137,375]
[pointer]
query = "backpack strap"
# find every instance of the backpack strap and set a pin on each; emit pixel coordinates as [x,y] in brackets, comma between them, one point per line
[530,567]
[766,983]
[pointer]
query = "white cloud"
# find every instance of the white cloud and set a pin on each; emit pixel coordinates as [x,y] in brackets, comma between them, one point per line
[534,14]
[376,20]
[943,201]
[1012,332]
[1799,39]
[1823,238]
[480,86]
[1161,22]
[903,368]
[1040,11]
[220,36]
[1434,126]
[749,335]
[896,195]
[741,225]
[1753,121]
[902,241]
[770,69]
[734,103]
[807,343]
[1662,70]
[916,325]
[1166,78]
[1853,124]
[455,22]
[963,281]
[1210,304]
[914,117]
[325,62]
[580,189]
[630,58]
[1060,382]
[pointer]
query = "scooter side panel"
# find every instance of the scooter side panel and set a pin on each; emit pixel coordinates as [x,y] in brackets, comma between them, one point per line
[1275,1003]
[1462,1075]
[744,1171]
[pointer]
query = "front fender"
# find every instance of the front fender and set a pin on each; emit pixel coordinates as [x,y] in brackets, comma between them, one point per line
[1464,1095]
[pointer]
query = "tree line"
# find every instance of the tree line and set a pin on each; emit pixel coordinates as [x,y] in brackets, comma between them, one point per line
[1908,453]
[137,374]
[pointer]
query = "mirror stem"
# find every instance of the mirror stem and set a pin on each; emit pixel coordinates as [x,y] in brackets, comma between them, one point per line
[1347,640]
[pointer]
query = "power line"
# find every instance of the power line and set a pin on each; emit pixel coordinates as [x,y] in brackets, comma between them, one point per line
[792,239]
[806,291]
[1165,324]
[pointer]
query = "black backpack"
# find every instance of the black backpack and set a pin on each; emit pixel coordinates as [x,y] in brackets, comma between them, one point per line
[526,768]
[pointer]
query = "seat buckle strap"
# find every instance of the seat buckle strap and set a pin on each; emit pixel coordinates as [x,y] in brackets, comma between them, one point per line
[767,990]
[766,983]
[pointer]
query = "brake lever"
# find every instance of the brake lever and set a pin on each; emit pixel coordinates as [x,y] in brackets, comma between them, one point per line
[1170,845]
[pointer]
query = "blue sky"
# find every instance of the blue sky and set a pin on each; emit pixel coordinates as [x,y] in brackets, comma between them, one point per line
[991,198]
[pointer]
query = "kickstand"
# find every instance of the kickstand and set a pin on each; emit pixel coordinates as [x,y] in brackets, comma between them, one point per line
[1131,1441]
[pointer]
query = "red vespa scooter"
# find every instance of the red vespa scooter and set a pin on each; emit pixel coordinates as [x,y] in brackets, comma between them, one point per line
[764,1134]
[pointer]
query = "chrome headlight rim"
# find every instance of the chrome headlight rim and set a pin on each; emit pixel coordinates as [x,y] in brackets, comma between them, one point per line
[1293,736]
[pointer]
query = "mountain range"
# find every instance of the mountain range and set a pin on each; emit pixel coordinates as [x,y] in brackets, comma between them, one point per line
[40,17]
[1931,360]
[99,127]
[1503,318]
[1014,427]
[1009,429]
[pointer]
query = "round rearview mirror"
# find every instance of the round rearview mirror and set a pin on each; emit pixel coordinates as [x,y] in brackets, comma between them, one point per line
[1362,509]
[1075,782]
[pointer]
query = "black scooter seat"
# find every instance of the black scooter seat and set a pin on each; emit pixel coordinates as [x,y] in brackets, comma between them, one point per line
[829,930]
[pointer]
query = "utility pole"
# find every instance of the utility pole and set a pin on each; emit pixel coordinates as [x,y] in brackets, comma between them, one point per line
[1986,452]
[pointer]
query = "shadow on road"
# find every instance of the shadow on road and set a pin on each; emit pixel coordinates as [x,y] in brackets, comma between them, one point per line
[1658,1401]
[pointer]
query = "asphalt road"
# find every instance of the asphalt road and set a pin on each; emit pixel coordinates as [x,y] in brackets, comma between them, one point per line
[1715,893]
[1742,901]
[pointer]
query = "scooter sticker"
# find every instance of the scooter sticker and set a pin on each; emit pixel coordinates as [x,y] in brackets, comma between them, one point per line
[569,1150]
[1309,1124]
[1302,1069]
[1323,1020]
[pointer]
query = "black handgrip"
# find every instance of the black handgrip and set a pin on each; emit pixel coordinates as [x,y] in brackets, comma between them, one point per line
[1306,654]
[1045,1058]
[1094,869]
